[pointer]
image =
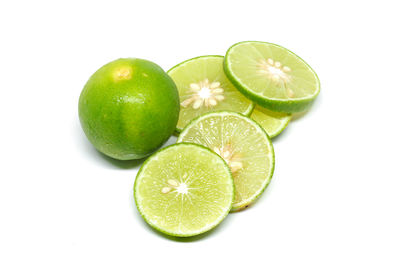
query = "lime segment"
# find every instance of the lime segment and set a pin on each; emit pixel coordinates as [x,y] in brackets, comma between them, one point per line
[272,122]
[184,190]
[203,87]
[271,76]
[243,144]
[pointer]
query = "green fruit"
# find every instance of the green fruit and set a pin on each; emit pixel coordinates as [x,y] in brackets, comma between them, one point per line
[203,87]
[129,108]
[272,76]
[243,144]
[272,122]
[184,190]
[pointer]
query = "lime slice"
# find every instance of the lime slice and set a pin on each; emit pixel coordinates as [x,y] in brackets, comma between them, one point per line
[203,87]
[272,122]
[272,76]
[243,144]
[184,190]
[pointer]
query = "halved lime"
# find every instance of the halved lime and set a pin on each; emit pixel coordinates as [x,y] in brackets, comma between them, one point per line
[243,144]
[184,190]
[203,87]
[272,122]
[272,76]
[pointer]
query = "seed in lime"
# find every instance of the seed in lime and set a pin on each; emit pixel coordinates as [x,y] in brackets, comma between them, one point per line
[272,122]
[184,190]
[203,87]
[272,76]
[129,108]
[243,144]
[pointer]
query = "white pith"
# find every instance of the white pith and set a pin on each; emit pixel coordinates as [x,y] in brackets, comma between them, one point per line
[204,93]
[175,186]
[276,72]
[232,159]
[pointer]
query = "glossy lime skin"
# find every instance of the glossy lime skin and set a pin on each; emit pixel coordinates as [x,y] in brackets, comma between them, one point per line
[129,108]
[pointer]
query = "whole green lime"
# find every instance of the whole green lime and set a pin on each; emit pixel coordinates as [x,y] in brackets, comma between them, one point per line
[129,108]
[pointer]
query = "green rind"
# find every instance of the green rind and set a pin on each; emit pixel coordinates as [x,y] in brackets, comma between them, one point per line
[172,233]
[287,106]
[127,119]
[246,113]
[271,171]
[190,59]
[280,130]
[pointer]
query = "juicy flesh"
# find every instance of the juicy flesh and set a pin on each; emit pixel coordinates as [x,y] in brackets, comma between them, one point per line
[184,190]
[204,93]
[272,122]
[272,71]
[203,87]
[247,145]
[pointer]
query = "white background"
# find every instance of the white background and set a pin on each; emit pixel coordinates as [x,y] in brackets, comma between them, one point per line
[335,196]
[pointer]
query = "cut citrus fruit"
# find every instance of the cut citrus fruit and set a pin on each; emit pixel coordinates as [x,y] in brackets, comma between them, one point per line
[272,122]
[272,76]
[184,190]
[203,87]
[243,144]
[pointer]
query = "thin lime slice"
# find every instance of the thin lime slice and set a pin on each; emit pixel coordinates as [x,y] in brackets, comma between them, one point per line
[272,76]
[272,122]
[243,144]
[184,190]
[203,87]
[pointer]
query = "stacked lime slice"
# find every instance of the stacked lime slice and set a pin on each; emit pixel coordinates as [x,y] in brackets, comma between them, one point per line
[272,76]
[230,108]
[184,190]
[243,144]
[203,87]
[272,122]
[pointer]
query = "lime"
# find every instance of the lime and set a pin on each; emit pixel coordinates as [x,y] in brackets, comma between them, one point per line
[272,122]
[243,144]
[203,87]
[184,190]
[129,108]
[271,76]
